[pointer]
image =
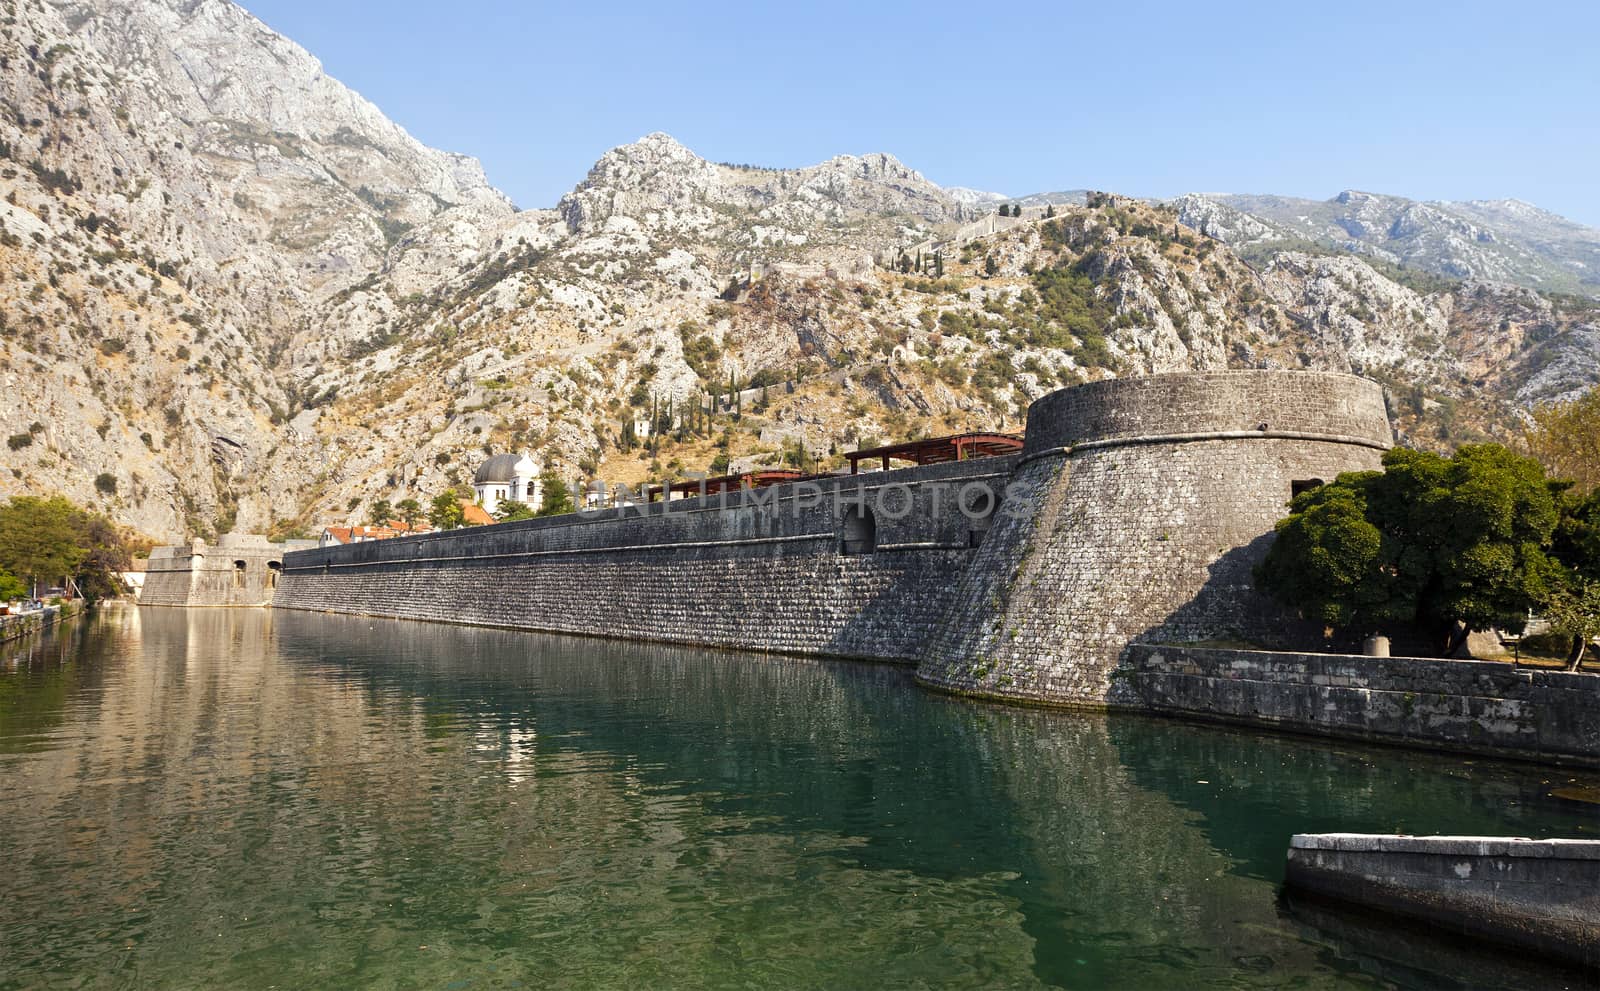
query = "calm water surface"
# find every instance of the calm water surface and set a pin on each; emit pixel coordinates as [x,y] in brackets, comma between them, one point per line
[242,799]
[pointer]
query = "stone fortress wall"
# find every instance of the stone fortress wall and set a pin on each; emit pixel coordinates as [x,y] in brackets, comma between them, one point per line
[241,570]
[1136,511]
[854,566]
[1142,507]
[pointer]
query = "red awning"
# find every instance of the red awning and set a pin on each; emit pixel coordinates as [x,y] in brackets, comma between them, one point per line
[936,450]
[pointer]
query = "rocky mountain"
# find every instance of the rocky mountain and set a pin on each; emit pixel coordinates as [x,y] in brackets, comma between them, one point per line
[1487,240]
[1063,197]
[234,295]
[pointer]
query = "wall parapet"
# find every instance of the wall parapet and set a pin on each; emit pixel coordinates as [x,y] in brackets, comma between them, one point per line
[1471,706]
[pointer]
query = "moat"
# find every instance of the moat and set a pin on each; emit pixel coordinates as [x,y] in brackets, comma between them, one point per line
[254,799]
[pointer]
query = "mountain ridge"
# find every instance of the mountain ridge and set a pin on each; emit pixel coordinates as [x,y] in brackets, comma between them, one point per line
[250,303]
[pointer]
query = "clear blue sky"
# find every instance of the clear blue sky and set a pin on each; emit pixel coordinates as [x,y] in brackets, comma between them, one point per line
[1434,101]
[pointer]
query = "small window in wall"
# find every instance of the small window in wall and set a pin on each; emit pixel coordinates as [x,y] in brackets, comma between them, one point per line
[274,568]
[1300,485]
[238,574]
[977,505]
[858,531]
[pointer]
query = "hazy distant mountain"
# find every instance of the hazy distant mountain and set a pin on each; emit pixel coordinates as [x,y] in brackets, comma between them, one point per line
[974,197]
[1498,240]
[1065,197]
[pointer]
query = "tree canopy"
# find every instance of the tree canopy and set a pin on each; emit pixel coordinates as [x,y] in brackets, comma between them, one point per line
[445,512]
[555,497]
[1430,541]
[11,587]
[410,511]
[44,540]
[380,513]
[513,509]
[1566,437]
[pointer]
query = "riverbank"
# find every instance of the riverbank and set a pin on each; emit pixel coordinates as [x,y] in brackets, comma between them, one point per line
[16,626]
[1537,896]
[1480,707]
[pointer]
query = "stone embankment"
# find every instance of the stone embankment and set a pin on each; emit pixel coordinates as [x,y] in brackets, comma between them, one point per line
[854,566]
[1539,896]
[1469,706]
[17,625]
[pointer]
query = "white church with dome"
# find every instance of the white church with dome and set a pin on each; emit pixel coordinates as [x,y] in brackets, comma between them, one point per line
[507,477]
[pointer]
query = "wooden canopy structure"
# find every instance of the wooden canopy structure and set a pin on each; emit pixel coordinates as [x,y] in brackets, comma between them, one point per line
[936,450]
[723,483]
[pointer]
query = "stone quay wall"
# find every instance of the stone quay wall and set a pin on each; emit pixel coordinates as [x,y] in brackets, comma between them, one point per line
[1471,706]
[856,566]
[1140,508]
[1534,895]
[17,625]
[243,569]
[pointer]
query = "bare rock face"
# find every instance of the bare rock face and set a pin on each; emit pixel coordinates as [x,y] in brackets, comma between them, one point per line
[668,188]
[235,294]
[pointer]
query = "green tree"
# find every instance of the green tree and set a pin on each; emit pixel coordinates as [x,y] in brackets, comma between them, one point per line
[380,513]
[1566,437]
[555,497]
[1573,610]
[1049,211]
[39,539]
[1572,602]
[45,540]
[410,511]
[990,266]
[106,557]
[1449,544]
[11,587]
[445,512]
[512,509]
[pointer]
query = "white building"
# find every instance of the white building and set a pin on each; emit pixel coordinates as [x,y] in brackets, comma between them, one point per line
[505,477]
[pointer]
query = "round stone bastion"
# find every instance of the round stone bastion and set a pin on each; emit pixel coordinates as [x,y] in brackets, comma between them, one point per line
[1137,513]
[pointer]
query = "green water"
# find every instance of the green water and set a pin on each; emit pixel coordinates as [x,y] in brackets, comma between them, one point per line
[241,799]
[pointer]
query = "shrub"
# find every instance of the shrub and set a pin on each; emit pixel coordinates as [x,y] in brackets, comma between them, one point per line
[106,483]
[18,441]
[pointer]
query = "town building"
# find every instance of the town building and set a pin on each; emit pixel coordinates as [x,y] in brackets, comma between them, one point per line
[506,477]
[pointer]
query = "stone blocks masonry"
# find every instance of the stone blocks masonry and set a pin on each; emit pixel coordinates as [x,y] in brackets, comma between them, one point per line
[1136,511]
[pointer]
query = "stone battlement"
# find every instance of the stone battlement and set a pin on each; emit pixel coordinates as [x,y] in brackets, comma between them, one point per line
[241,570]
[1137,508]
